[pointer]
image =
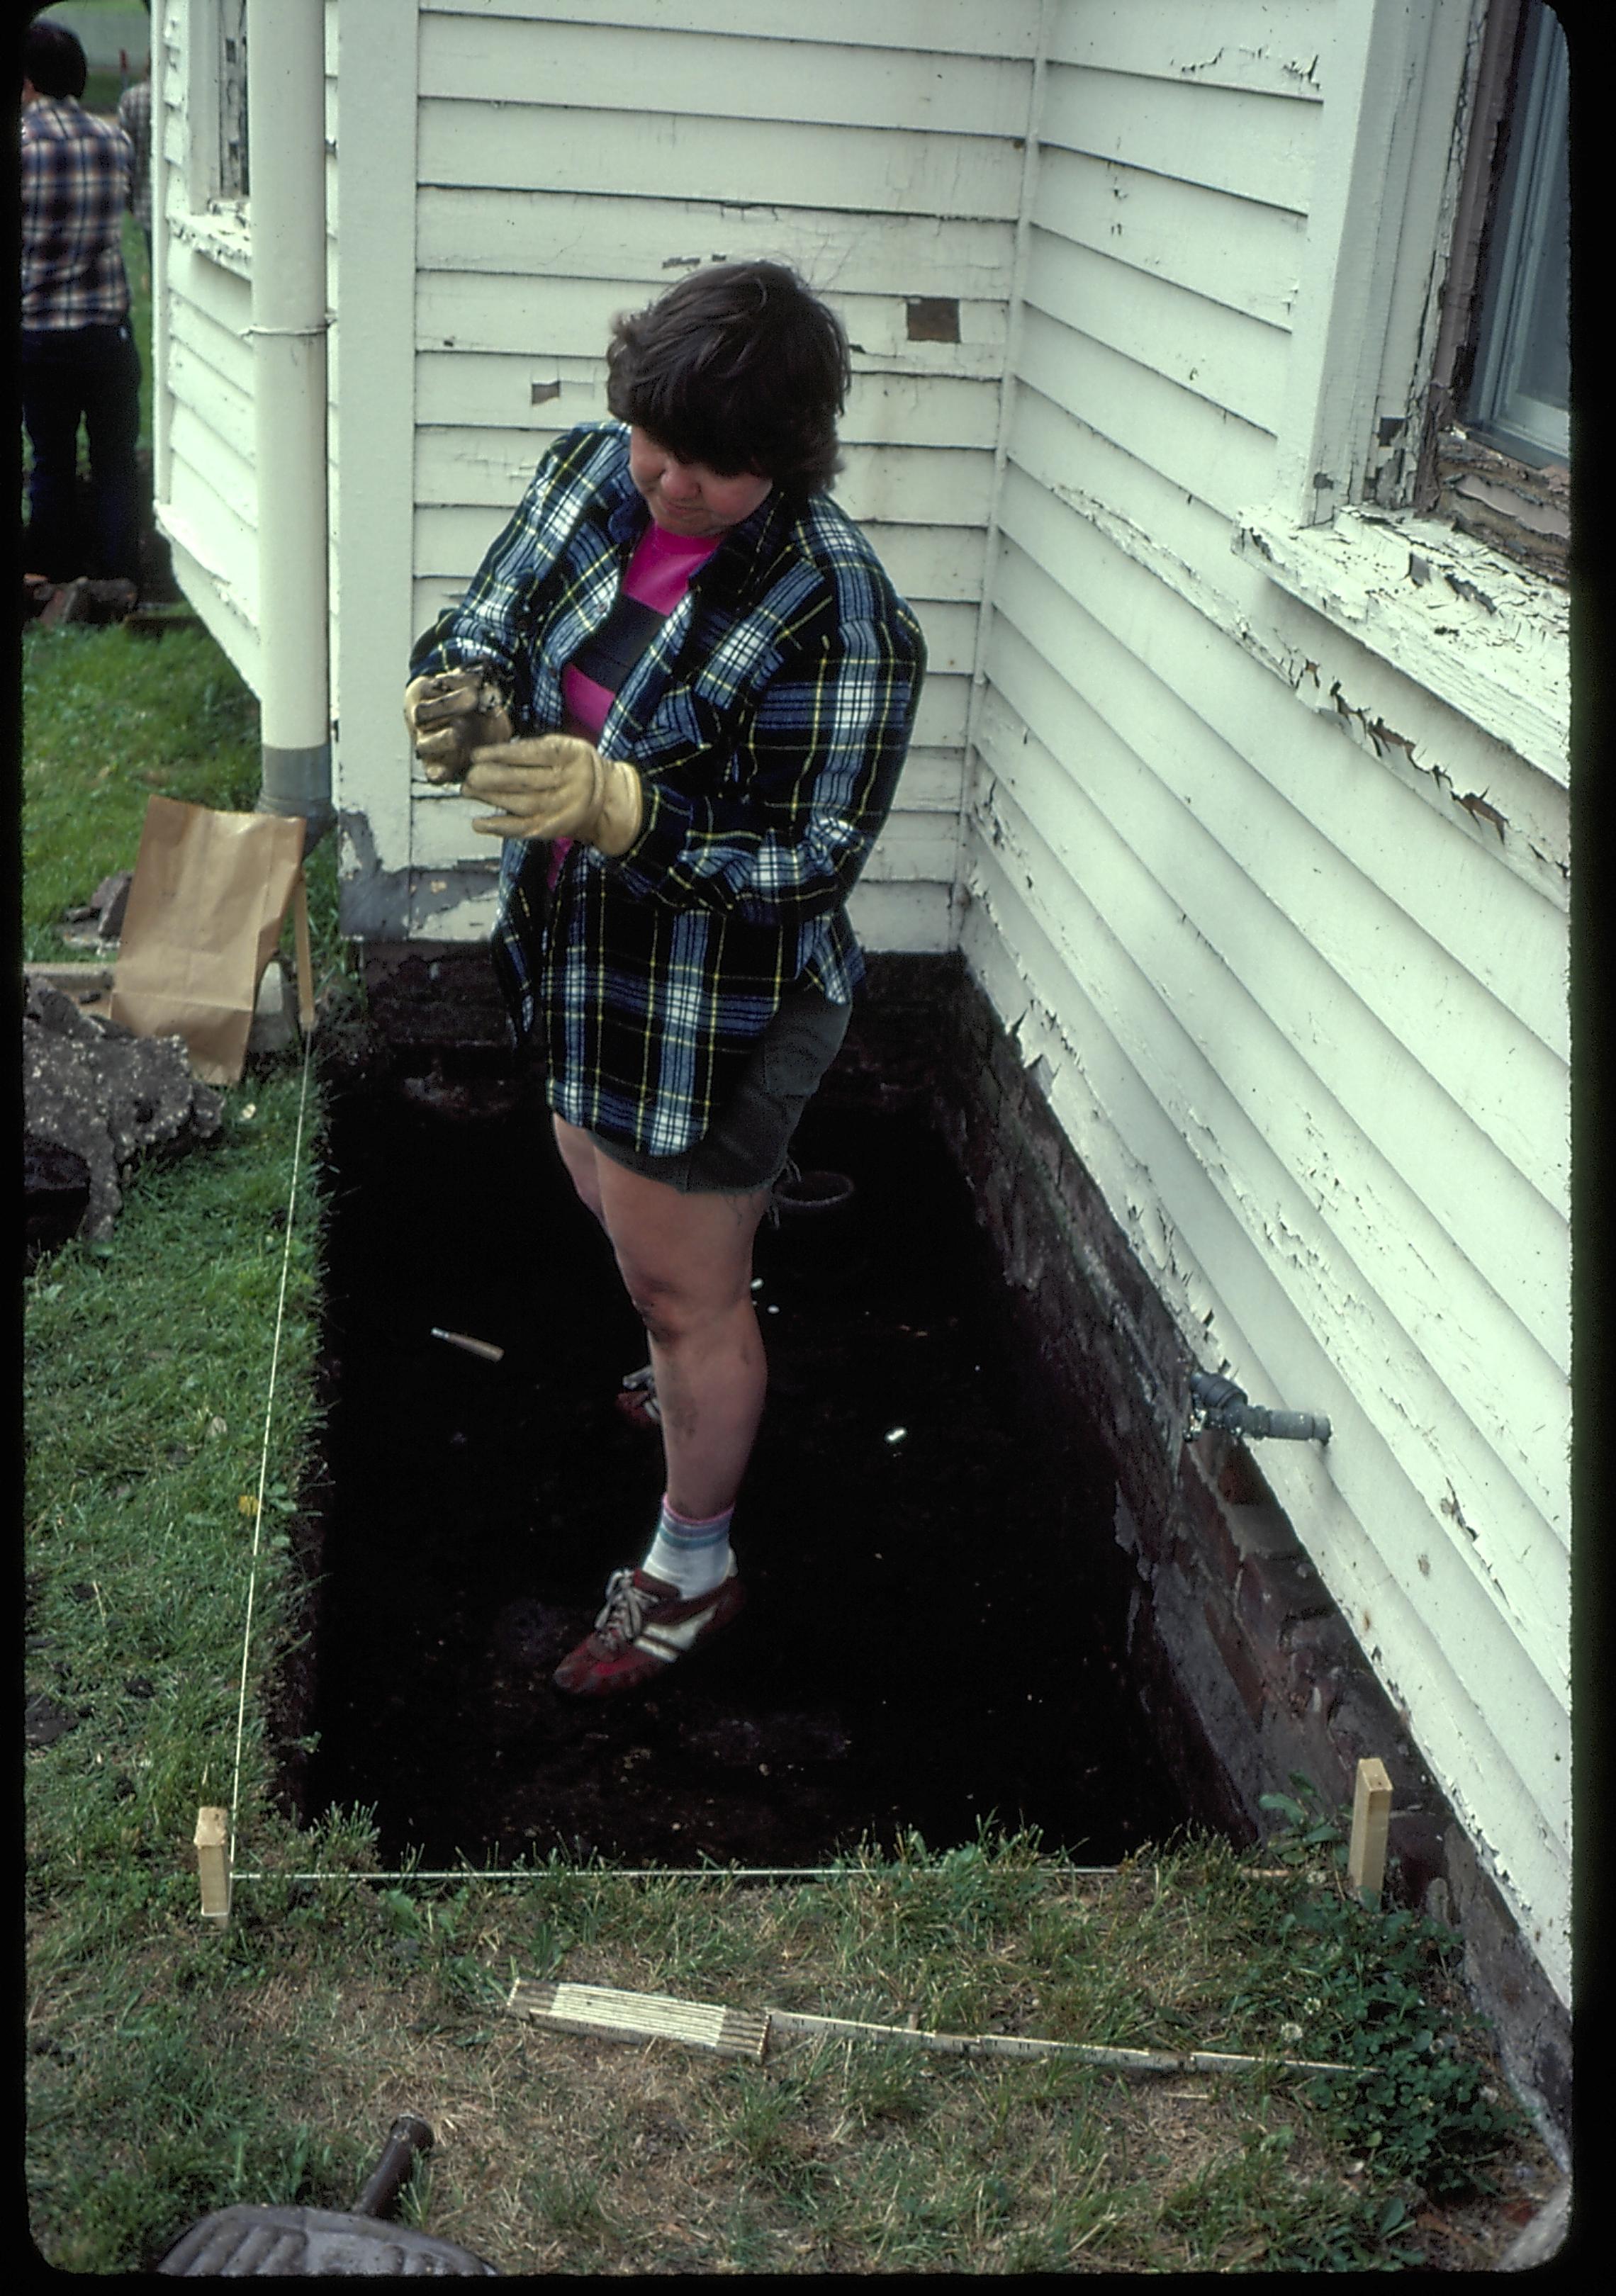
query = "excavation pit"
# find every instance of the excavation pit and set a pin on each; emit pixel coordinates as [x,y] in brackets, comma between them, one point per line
[934,1632]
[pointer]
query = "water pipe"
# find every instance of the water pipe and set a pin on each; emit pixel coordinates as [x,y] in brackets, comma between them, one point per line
[1217,1402]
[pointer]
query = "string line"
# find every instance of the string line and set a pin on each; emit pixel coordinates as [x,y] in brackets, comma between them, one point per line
[657,1873]
[258,1513]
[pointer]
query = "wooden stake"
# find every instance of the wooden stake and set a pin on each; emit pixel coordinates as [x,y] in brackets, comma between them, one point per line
[1371,1811]
[213,1862]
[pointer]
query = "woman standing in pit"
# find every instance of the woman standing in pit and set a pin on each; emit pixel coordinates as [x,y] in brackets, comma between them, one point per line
[683,679]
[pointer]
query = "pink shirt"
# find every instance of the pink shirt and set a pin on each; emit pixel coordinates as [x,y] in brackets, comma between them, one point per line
[658,575]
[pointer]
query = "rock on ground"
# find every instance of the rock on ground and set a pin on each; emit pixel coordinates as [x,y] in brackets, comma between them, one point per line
[94,1091]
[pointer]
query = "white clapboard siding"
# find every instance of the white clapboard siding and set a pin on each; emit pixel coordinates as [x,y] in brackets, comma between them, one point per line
[1258,147]
[1234,362]
[863,169]
[222,406]
[222,349]
[542,318]
[1209,241]
[1272,51]
[202,583]
[596,234]
[1383,1100]
[946,26]
[914,918]
[1329,888]
[203,395]
[1174,528]
[1204,454]
[1304,1025]
[197,441]
[607,68]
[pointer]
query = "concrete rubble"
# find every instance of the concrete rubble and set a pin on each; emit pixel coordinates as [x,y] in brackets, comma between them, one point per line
[95,1098]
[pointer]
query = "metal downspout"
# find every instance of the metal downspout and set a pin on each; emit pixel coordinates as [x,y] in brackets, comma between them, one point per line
[286,146]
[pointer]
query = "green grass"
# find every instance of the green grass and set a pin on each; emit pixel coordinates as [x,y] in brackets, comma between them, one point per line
[176,2067]
[110,720]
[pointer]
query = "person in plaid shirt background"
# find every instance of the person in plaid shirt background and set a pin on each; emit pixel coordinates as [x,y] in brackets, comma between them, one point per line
[134,117]
[684,678]
[76,356]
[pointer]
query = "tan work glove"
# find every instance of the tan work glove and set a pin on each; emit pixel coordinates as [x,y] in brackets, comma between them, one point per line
[556,786]
[451,715]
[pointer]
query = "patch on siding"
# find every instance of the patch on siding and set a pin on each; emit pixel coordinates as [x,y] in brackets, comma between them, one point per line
[932,318]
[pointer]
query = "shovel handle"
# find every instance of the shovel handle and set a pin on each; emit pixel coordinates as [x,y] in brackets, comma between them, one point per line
[408,2135]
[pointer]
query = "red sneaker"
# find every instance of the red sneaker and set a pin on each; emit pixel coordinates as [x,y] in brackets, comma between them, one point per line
[645,1625]
[637,1399]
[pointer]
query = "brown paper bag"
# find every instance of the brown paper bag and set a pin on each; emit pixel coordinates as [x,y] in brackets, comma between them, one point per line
[209,899]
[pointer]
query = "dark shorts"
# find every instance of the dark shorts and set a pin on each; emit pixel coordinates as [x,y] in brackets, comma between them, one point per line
[745,1147]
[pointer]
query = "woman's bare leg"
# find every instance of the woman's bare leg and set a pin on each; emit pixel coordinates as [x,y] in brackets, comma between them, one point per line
[686,1261]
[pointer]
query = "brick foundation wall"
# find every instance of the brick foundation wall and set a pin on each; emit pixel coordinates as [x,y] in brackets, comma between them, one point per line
[1243,1664]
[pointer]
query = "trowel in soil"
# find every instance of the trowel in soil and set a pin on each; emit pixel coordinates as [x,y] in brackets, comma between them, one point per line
[290,2244]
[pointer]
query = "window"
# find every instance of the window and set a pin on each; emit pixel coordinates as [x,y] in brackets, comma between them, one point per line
[215,99]
[232,100]
[1498,446]
[1419,507]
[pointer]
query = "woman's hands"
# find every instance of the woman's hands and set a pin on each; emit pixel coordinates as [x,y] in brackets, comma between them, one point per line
[557,786]
[547,785]
[451,715]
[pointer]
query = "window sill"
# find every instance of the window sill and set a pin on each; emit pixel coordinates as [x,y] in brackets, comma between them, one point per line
[223,233]
[1521,511]
[1488,637]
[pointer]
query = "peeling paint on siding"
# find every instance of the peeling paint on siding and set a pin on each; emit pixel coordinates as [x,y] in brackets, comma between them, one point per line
[1501,653]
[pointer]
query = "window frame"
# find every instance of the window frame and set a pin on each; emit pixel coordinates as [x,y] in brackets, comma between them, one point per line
[1345,532]
[1521,507]
[216,170]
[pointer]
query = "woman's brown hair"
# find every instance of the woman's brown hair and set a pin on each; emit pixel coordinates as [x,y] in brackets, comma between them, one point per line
[741,368]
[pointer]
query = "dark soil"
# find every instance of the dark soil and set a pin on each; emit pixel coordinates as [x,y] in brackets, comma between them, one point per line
[933,1627]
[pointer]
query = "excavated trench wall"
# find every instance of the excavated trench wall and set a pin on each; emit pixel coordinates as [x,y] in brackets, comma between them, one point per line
[1237,1654]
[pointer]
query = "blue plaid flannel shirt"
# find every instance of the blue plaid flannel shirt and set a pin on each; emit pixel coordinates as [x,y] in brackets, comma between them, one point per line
[77,171]
[769,720]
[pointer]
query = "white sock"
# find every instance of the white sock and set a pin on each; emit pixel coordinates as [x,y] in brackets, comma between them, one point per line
[692,1556]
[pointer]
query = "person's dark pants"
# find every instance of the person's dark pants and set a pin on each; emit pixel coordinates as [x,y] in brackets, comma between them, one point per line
[91,375]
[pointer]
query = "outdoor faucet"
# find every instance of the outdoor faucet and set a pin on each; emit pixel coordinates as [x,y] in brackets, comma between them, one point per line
[1217,1402]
